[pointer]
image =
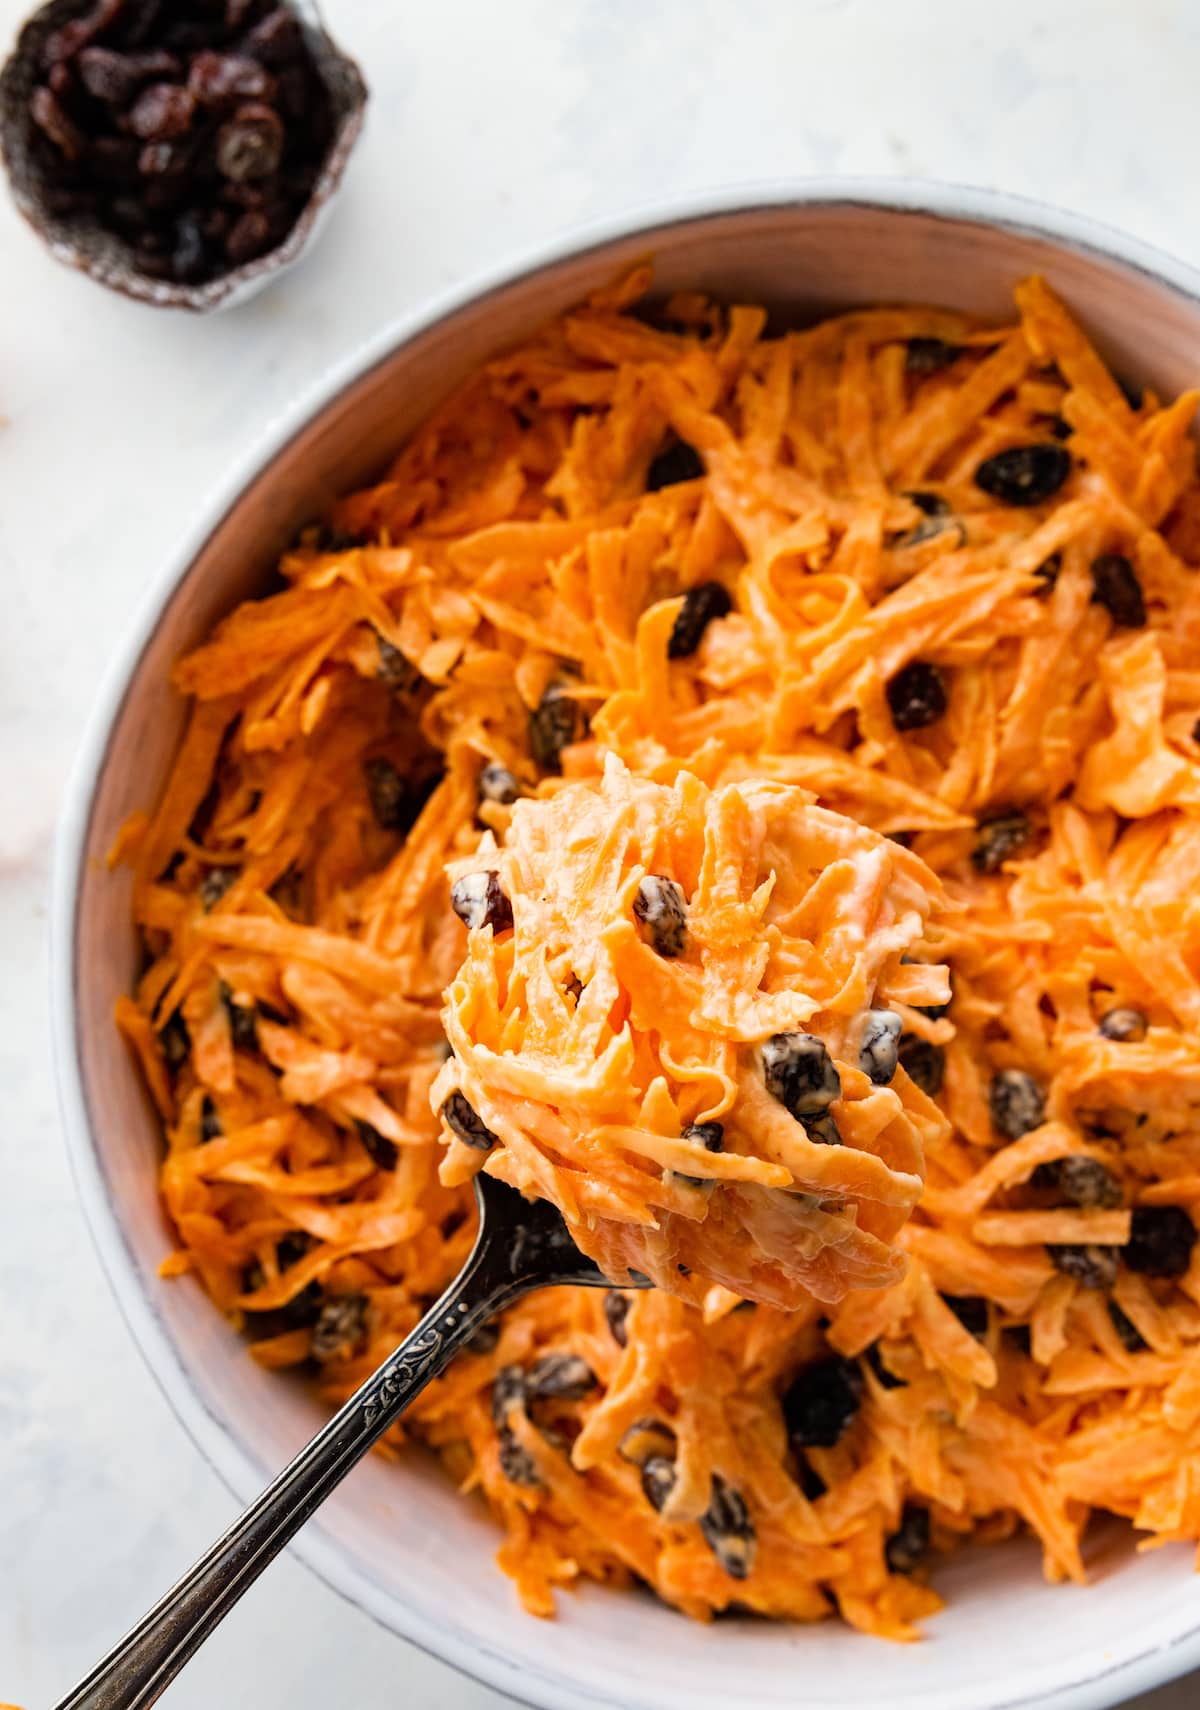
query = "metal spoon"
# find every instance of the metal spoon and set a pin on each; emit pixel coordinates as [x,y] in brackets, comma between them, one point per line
[522,1245]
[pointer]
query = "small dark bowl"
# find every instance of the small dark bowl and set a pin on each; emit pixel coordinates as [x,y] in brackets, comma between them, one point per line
[82,242]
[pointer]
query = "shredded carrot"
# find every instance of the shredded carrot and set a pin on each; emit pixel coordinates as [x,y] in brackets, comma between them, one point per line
[679,554]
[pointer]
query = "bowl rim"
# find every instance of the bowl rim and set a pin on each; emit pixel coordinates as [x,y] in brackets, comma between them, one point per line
[234,1464]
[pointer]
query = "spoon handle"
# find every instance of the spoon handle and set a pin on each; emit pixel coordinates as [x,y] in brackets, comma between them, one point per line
[140,1668]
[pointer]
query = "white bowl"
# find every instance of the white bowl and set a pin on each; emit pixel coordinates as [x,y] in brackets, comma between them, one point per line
[397,1540]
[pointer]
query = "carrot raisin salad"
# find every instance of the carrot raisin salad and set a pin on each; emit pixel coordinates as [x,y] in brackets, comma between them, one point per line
[669,568]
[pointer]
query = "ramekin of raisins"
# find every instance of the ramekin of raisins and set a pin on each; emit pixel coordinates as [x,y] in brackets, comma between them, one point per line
[180,151]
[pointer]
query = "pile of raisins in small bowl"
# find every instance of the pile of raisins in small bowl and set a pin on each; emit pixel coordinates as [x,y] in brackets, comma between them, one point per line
[193,129]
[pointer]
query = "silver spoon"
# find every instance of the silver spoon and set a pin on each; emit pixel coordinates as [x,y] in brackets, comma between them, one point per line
[522,1245]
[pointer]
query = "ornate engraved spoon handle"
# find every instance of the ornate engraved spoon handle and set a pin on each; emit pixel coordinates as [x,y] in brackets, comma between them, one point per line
[519,1247]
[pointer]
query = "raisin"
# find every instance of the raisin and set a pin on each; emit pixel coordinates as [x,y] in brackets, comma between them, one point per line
[658,1481]
[1086,1182]
[710,1137]
[677,461]
[277,40]
[175,1042]
[645,1440]
[210,1122]
[249,237]
[917,696]
[559,1377]
[497,784]
[1001,835]
[1160,1241]
[389,796]
[1091,1266]
[1125,1024]
[819,1404]
[162,111]
[616,1311]
[1024,474]
[929,355]
[930,504]
[1017,1103]
[115,78]
[555,723]
[822,1130]
[923,1063]
[516,1463]
[250,145]
[878,1053]
[508,1391]
[341,1327]
[800,1073]
[217,78]
[661,907]
[701,606]
[1131,1337]
[478,900]
[728,1530]
[461,1117]
[971,1312]
[1115,586]
[50,116]
[908,1546]
[383,1153]
[393,668]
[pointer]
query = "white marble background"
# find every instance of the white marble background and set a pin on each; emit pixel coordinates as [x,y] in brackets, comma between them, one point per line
[493,127]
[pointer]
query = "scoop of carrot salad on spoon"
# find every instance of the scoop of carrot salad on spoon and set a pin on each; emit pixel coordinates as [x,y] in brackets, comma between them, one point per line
[677,1018]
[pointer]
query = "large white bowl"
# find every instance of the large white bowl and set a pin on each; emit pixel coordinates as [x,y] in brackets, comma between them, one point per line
[397,1540]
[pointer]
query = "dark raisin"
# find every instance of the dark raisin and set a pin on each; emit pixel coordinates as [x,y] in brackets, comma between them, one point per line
[709,1137]
[115,78]
[463,1120]
[1086,1182]
[1125,1024]
[930,355]
[478,900]
[341,1327]
[930,504]
[249,236]
[383,1153]
[908,1546]
[210,1122]
[887,1379]
[393,668]
[175,1042]
[508,1391]
[1161,1241]
[810,1480]
[162,111]
[917,696]
[701,606]
[1024,474]
[1058,427]
[1017,1103]
[1047,573]
[728,1530]
[800,1073]
[516,1463]
[678,461]
[555,723]
[820,1403]
[1115,586]
[559,1377]
[250,145]
[1001,835]
[243,1021]
[50,116]
[1091,1267]
[1131,1337]
[822,1130]
[923,1063]
[616,1311]
[658,1481]
[65,43]
[661,907]
[878,1052]
[497,784]
[971,1312]
[217,78]
[645,1440]
[277,40]
[389,795]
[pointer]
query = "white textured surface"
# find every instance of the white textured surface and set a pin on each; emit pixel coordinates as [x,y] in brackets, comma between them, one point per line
[492,128]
